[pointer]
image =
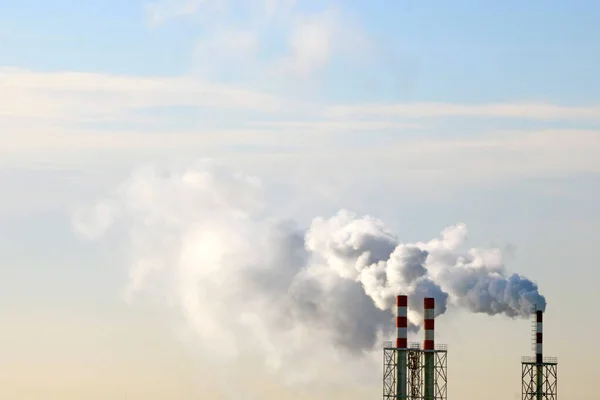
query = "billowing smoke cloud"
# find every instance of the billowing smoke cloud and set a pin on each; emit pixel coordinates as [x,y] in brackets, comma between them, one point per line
[247,283]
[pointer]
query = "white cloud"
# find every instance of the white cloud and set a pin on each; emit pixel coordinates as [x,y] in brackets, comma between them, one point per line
[315,39]
[161,11]
[41,115]
[539,111]
[311,43]
[433,164]
[317,157]
[76,96]
[336,125]
[227,50]
[229,45]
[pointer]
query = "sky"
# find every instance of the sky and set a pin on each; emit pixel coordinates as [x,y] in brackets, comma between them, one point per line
[422,115]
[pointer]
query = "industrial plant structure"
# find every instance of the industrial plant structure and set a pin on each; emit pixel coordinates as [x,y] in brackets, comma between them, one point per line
[539,374]
[415,372]
[409,370]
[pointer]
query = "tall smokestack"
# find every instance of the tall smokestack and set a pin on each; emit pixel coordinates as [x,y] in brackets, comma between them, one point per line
[539,316]
[429,347]
[539,359]
[401,345]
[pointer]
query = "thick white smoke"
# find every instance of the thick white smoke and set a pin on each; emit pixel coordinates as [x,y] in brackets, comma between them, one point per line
[247,283]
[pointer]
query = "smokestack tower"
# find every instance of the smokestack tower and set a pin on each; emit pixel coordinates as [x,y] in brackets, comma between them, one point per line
[539,358]
[539,319]
[401,345]
[540,374]
[423,369]
[429,347]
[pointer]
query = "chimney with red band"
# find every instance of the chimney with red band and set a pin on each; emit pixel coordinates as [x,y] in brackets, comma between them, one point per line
[401,346]
[429,347]
[401,322]
[429,323]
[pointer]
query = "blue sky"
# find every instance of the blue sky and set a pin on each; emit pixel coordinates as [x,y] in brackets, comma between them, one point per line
[421,114]
[535,51]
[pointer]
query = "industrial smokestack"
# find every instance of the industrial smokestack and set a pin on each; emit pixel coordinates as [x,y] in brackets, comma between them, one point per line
[539,374]
[539,358]
[429,347]
[538,336]
[429,324]
[401,322]
[401,345]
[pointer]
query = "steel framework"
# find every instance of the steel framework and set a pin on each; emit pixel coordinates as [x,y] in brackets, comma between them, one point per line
[540,380]
[416,371]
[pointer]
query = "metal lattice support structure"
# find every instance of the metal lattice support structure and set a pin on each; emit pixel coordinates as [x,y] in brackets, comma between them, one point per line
[441,372]
[390,367]
[416,371]
[536,375]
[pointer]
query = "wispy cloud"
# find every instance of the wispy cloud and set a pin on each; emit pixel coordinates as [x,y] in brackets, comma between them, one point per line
[161,11]
[490,159]
[336,125]
[311,43]
[76,96]
[537,111]
[56,113]
[286,127]
[326,151]
[275,39]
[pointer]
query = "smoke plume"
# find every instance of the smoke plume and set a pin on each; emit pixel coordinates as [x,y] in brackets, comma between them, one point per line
[247,283]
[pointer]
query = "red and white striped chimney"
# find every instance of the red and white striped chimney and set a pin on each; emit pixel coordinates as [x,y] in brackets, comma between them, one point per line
[401,345]
[538,337]
[429,347]
[429,323]
[401,322]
